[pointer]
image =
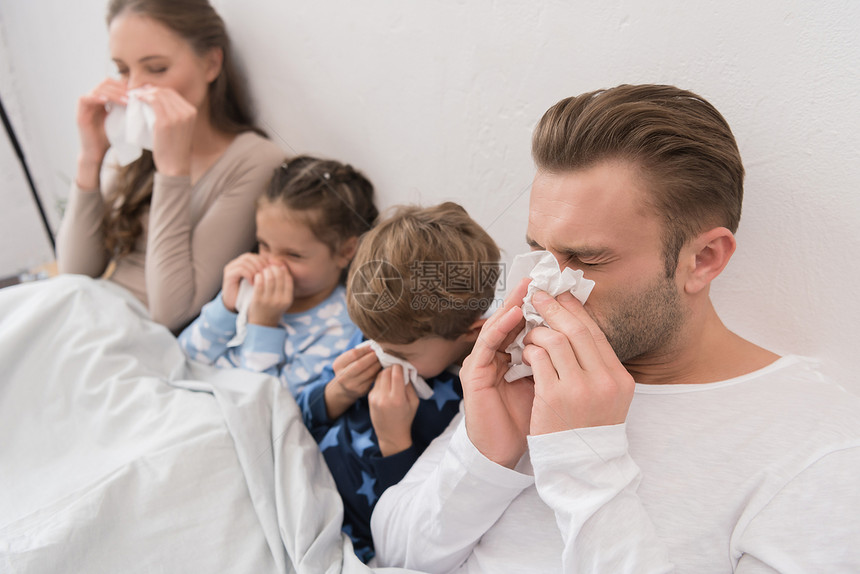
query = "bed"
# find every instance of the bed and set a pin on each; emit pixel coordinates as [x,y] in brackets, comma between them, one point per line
[117,454]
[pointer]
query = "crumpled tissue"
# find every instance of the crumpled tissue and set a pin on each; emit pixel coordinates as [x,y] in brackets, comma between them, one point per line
[129,128]
[410,373]
[243,302]
[545,275]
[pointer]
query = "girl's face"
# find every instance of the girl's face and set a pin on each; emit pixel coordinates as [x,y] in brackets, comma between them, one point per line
[285,238]
[146,52]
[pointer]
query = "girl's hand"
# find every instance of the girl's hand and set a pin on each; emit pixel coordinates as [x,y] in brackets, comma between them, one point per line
[246,266]
[91,114]
[273,295]
[393,405]
[173,131]
[354,373]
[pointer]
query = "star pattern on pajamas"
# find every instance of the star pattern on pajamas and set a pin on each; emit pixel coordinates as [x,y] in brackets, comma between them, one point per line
[347,529]
[361,441]
[330,438]
[443,391]
[366,488]
[356,462]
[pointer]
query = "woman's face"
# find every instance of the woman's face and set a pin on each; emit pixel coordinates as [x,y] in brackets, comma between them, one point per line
[146,52]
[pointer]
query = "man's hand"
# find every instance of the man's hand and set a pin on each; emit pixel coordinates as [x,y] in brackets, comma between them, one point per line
[393,405]
[354,373]
[497,412]
[579,381]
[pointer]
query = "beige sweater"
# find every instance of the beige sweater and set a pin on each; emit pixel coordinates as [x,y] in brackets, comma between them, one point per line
[190,232]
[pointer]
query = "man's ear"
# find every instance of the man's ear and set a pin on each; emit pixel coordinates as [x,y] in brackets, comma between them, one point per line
[474,330]
[346,251]
[705,257]
[214,63]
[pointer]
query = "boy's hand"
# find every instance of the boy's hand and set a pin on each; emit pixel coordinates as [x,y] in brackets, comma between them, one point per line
[273,295]
[354,372]
[497,412]
[393,405]
[246,266]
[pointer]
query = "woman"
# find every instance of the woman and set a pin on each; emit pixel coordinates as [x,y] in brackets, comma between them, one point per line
[173,218]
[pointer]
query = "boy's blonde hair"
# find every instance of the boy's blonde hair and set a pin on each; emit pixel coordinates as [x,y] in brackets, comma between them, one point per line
[422,272]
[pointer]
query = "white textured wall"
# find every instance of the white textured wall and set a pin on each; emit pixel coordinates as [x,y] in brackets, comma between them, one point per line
[25,243]
[437,100]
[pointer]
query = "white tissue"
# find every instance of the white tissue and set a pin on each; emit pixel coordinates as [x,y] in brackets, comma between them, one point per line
[243,302]
[410,373]
[545,275]
[129,128]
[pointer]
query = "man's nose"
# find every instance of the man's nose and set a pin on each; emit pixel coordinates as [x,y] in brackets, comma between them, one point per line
[559,258]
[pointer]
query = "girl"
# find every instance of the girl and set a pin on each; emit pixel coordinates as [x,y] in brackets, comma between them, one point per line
[171,219]
[296,322]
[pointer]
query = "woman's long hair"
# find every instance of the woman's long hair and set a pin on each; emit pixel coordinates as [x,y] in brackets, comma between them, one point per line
[229,111]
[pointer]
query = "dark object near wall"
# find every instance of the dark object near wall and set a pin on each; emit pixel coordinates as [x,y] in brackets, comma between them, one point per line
[13,139]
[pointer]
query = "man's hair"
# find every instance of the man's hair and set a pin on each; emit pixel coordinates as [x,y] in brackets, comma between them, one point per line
[422,272]
[681,145]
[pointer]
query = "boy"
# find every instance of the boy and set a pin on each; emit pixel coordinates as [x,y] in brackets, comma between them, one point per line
[417,288]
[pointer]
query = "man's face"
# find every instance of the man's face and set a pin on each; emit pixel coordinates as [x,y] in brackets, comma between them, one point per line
[596,220]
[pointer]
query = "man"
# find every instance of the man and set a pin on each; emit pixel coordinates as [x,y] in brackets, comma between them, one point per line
[651,438]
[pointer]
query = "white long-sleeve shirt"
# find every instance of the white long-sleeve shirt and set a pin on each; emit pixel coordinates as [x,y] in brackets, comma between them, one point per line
[754,474]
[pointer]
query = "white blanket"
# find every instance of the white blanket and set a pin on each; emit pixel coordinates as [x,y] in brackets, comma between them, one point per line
[116,455]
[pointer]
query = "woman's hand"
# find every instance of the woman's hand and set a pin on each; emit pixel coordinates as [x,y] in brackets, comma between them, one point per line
[246,266]
[393,405]
[91,114]
[173,131]
[354,373]
[273,295]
